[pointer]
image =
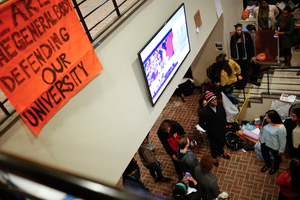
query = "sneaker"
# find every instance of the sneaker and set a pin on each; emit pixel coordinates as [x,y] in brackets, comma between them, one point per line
[272,171]
[264,169]
[226,156]
[216,163]
[165,179]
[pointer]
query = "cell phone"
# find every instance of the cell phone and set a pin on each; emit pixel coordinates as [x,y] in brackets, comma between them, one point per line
[194,142]
[275,36]
[188,175]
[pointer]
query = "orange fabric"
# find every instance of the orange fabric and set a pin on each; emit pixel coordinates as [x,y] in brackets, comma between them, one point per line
[45,57]
[240,133]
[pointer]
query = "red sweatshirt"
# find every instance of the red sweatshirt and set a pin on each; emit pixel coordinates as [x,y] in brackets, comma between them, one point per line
[285,183]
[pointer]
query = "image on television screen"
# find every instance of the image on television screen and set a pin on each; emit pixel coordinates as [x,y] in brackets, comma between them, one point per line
[162,56]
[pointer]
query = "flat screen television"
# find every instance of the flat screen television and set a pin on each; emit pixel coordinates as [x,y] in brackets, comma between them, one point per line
[164,53]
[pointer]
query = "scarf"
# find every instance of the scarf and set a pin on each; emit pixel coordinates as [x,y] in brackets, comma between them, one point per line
[283,22]
[263,18]
[235,50]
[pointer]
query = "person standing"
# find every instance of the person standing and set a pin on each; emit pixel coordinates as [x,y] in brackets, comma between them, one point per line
[284,29]
[265,15]
[273,139]
[289,181]
[292,126]
[207,179]
[212,119]
[147,156]
[185,155]
[131,182]
[228,72]
[242,51]
[168,134]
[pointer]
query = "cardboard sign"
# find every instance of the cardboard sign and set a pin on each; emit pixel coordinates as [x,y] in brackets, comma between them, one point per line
[45,57]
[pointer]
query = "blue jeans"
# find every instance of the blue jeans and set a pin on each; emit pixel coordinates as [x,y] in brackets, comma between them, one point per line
[153,167]
[228,92]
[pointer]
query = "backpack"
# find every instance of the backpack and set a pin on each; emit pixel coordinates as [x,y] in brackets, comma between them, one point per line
[233,140]
[210,71]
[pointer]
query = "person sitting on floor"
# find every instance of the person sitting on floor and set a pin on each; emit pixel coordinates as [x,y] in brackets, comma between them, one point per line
[147,156]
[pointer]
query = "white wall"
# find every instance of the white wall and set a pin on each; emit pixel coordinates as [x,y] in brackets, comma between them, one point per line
[98,131]
[232,12]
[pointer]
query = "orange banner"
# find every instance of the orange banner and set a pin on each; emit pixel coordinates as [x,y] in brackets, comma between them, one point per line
[45,57]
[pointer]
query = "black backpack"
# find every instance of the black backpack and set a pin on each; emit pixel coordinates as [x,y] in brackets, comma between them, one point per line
[211,71]
[233,140]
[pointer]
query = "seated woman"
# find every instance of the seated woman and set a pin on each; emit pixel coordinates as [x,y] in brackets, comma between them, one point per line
[273,139]
[228,71]
[289,181]
[206,178]
[265,15]
[293,132]
[182,191]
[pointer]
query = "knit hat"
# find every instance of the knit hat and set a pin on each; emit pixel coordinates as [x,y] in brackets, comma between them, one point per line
[209,96]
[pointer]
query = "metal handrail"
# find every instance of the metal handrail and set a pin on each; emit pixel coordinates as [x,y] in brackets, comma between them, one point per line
[63,181]
[268,69]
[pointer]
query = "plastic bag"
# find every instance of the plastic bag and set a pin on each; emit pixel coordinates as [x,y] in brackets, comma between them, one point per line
[231,110]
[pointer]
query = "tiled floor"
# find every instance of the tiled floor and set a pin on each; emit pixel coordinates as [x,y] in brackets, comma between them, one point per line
[240,176]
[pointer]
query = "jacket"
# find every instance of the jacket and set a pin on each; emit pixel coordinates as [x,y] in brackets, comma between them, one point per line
[188,160]
[163,137]
[285,183]
[214,123]
[286,40]
[147,157]
[236,70]
[208,182]
[273,12]
[248,47]
[289,126]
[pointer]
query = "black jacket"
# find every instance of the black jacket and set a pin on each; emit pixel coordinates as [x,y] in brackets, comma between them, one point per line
[214,123]
[289,126]
[248,47]
[175,128]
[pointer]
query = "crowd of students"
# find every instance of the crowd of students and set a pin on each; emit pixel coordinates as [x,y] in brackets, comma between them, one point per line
[195,178]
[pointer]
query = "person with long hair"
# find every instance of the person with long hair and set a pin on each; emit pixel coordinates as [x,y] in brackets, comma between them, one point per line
[228,71]
[265,15]
[273,139]
[292,126]
[289,181]
[284,28]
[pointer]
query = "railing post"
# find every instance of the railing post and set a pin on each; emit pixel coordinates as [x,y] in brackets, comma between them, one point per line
[82,20]
[278,50]
[268,81]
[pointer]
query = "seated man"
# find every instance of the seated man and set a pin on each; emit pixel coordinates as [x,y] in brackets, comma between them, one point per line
[168,133]
[185,155]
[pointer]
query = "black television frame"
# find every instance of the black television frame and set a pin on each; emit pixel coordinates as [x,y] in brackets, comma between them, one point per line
[150,40]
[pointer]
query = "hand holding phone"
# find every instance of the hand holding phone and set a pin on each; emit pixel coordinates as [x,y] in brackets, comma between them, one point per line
[194,142]
[188,175]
